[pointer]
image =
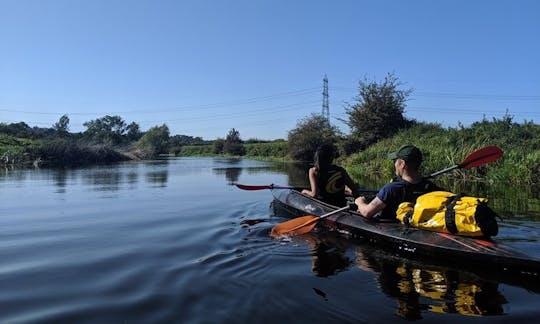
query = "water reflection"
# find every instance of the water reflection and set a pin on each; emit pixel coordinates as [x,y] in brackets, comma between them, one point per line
[158,178]
[109,178]
[60,180]
[424,287]
[103,180]
[416,287]
[231,174]
[327,258]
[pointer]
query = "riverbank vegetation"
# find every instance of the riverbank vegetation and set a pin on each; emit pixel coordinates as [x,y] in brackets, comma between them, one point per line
[377,126]
[445,147]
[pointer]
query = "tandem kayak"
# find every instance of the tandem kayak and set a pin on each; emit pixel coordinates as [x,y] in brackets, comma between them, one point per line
[410,242]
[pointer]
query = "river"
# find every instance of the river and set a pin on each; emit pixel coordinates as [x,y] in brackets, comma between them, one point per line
[173,241]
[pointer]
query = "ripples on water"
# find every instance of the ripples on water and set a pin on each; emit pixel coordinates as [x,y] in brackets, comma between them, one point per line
[173,241]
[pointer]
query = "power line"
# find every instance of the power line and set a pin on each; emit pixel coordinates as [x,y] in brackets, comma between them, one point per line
[455,95]
[222,104]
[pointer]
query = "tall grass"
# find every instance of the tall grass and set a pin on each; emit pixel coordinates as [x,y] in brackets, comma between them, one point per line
[270,151]
[13,150]
[196,150]
[444,147]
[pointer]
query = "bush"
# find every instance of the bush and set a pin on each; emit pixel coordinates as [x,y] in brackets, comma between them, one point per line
[310,133]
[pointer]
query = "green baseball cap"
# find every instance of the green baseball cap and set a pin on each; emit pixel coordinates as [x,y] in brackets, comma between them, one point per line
[409,153]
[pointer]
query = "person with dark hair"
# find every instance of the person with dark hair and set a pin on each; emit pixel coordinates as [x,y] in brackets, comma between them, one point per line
[410,184]
[328,181]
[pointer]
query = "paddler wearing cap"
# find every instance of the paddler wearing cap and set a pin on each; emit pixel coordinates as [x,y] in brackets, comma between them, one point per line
[407,187]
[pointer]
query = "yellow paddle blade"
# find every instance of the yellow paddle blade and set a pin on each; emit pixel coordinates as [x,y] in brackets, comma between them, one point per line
[296,226]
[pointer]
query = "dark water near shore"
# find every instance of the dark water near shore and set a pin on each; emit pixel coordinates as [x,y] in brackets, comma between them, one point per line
[173,241]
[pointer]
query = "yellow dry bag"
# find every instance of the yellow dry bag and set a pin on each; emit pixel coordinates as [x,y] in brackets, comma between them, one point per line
[446,212]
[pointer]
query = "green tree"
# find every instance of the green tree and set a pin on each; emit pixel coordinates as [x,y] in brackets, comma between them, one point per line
[155,141]
[133,132]
[106,130]
[378,111]
[62,126]
[20,129]
[219,145]
[233,144]
[310,133]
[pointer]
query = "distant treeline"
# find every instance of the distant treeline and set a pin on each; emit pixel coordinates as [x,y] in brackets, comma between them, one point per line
[377,126]
[106,140]
[269,150]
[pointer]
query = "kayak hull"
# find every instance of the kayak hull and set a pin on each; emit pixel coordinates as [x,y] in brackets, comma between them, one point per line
[409,241]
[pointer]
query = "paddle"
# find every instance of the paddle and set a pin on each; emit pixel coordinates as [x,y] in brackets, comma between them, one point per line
[273,186]
[305,224]
[301,225]
[262,187]
[479,157]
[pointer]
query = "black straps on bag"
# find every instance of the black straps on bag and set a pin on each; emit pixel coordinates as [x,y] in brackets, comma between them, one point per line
[450,214]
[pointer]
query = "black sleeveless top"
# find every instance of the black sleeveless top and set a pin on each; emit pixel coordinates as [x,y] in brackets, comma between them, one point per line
[331,186]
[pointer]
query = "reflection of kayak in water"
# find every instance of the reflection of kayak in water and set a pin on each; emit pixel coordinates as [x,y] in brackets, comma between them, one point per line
[416,286]
[423,287]
[468,252]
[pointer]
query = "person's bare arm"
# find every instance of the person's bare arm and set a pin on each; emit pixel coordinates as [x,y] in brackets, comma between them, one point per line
[313,183]
[368,210]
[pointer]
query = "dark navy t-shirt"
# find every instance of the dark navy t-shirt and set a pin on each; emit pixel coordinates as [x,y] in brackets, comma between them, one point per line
[391,194]
[394,193]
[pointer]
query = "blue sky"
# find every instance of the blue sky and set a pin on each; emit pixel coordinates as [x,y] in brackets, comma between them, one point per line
[203,67]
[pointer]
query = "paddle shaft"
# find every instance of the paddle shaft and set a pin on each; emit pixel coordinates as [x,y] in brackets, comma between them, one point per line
[433,175]
[273,186]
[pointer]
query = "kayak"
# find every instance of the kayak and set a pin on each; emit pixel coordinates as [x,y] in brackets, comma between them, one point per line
[407,241]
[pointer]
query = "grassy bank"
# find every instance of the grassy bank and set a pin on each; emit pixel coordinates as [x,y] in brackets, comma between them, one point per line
[445,147]
[261,151]
[16,151]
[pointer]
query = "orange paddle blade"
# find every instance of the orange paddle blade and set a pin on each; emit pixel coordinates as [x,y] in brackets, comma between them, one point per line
[296,226]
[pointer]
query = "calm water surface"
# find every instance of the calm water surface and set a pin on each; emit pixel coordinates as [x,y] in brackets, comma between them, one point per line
[174,242]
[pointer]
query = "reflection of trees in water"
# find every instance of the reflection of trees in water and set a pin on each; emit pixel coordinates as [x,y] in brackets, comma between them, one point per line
[113,179]
[60,177]
[231,174]
[132,179]
[297,173]
[157,173]
[158,178]
[104,180]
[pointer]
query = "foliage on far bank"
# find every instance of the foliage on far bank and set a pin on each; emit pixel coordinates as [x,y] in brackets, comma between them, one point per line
[444,147]
[13,149]
[275,150]
[66,152]
[154,142]
[309,134]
